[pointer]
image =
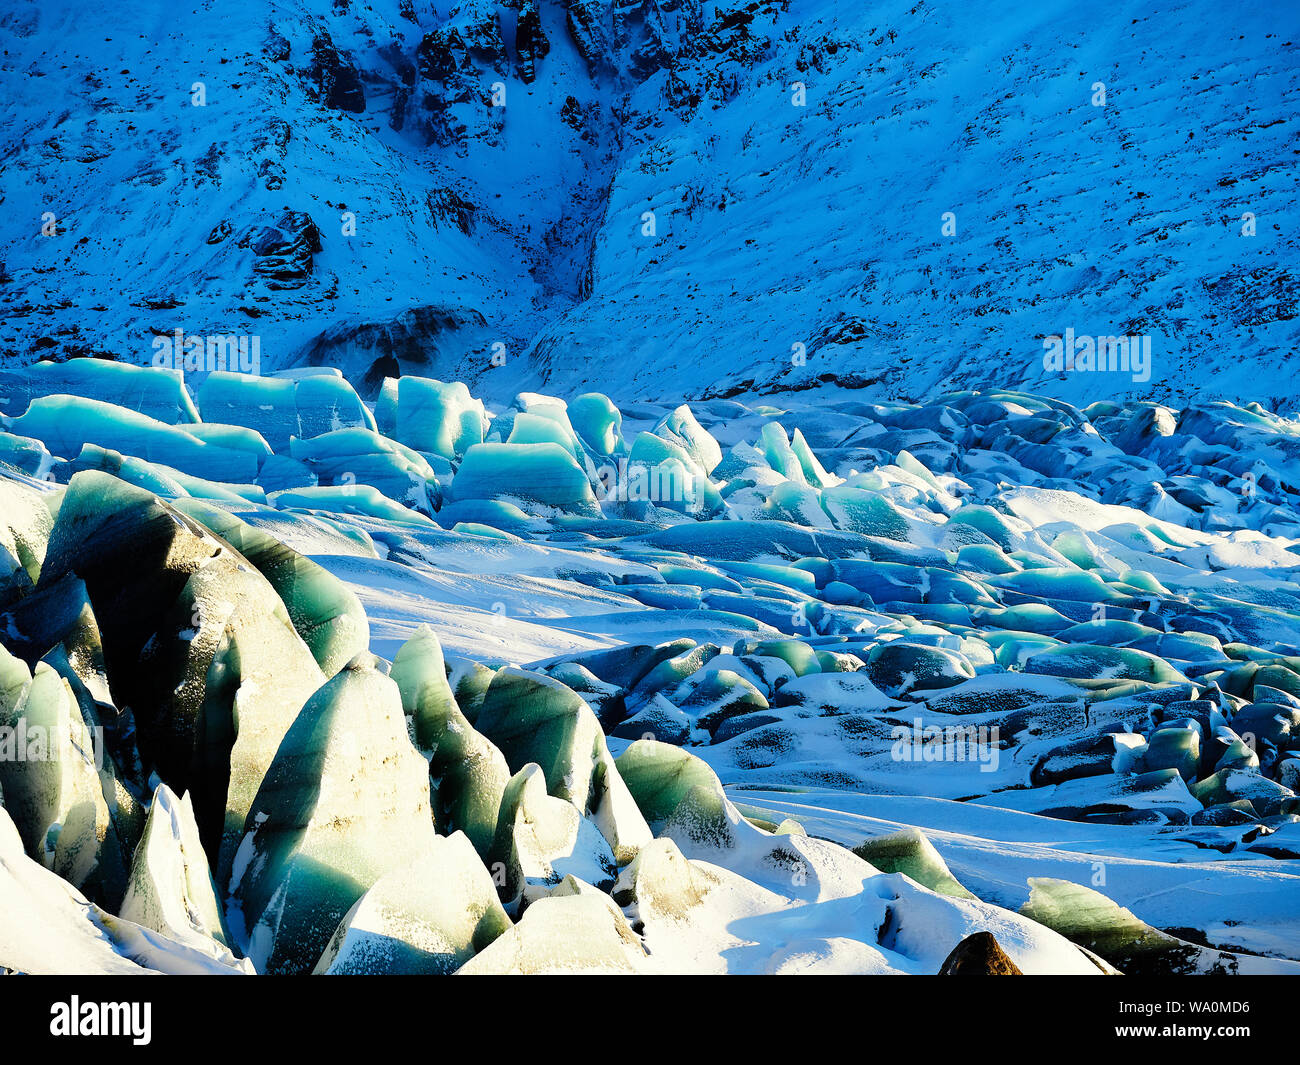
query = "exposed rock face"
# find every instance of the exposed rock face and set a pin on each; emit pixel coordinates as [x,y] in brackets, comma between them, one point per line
[415,340]
[448,208]
[531,42]
[979,955]
[336,78]
[284,251]
[590,35]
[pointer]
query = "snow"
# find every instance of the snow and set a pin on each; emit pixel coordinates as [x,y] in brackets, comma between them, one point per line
[399,648]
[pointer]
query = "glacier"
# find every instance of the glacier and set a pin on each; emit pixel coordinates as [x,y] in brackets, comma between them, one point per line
[942,661]
[649,487]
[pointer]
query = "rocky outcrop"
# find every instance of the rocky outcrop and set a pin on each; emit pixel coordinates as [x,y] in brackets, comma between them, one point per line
[979,955]
[283,252]
[334,76]
[531,43]
[414,340]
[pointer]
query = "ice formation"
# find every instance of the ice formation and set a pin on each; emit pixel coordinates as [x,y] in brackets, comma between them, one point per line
[453,687]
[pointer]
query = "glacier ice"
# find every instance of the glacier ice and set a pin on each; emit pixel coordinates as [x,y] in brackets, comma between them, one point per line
[578,933]
[471,774]
[197,635]
[575,673]
[543,472]
[345,800]
[283,406]
[157,393]
[324,611]
[437,417]
[65,424]
[48,927]
[427,917]
[361,456]
[170,888]
[56,785]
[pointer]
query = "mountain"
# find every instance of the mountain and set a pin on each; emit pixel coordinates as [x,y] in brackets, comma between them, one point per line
[675,199]
[711,487]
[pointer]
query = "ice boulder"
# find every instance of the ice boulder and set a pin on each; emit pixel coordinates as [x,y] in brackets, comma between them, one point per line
[540,839]
[1091,661]
[580,933]
[1135,948]
[324,611]
[159,479]
[325,402]
[361,456]
[264,404]
[543,473]
[25,525]
[901,667]
[534,718]
[196,642]
[345,801]
[153,391]
[66,423]
[909,851]
[471,773]
[280,472]
[855,510]
[676,790]
[440,418]
[360,499]
[280,407]
[48,927]
[26,455]
[529,428]
[597,422]
[663,472]
[50,777]
[682,429]
[171,889]
[425,918]
[661,884]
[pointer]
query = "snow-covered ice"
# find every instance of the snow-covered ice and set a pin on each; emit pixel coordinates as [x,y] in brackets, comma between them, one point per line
[583,487]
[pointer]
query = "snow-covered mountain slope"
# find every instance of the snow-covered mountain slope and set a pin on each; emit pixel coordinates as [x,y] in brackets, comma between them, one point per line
[349,193]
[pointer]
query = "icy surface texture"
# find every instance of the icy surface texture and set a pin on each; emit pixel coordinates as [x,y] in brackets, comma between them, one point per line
[691,688]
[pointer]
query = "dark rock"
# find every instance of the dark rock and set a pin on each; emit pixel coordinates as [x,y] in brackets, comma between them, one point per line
[336,78]
[276,47]
[979,955]
[413,339]
[220,232]
[530,41]
[284,251]
[448,207]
